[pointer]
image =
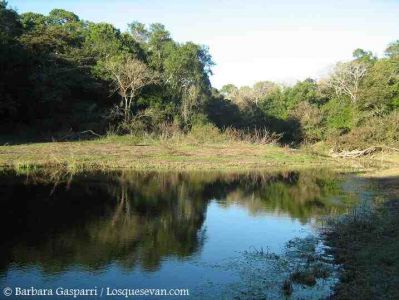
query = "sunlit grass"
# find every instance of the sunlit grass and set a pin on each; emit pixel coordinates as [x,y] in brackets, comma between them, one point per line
[150,153]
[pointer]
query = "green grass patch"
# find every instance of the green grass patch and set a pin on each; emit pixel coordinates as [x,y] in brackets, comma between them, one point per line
[149,153]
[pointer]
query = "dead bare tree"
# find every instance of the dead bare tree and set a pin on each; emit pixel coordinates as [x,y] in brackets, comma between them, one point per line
[246,95]
[129,75]
[190,100]
[346,78]
[261,89]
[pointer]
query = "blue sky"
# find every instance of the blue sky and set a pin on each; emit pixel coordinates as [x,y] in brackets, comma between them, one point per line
[253,40]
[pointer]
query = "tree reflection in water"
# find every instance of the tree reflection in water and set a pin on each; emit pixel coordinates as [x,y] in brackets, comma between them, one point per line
[138,219]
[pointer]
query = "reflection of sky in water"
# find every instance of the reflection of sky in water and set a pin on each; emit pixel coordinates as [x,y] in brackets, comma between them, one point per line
[230,228]
[233,229]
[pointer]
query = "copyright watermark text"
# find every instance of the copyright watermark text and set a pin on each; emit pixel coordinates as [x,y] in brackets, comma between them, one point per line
[94,292]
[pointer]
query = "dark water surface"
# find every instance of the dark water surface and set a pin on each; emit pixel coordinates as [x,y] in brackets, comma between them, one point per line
[162,230]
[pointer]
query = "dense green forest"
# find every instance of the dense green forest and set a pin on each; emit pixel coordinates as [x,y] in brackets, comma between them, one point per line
[62,75]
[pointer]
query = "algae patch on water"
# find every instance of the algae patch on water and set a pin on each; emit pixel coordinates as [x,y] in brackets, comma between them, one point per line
[304,270]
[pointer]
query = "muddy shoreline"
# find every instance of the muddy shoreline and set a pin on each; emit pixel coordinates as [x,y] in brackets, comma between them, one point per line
[365,244]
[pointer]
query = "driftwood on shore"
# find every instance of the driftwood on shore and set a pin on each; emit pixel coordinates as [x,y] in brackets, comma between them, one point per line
[359,153]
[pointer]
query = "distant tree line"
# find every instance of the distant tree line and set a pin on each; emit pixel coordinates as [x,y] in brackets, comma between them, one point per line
[356,105]
[59,73]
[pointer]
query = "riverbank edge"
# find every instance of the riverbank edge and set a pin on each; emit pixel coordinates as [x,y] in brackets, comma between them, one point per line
[365,241]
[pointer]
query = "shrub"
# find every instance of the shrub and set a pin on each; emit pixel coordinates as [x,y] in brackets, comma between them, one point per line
[340,115]
[311,118]
[256,136]
[205,132]
[151,121]
[376,131]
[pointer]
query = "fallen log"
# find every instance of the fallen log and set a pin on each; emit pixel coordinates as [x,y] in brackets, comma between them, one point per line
[358,153]
[77,136]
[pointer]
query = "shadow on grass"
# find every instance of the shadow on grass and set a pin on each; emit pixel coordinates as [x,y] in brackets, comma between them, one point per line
[30,138]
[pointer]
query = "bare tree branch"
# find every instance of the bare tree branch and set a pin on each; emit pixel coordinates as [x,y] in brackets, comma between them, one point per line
[130,76]
[346,79]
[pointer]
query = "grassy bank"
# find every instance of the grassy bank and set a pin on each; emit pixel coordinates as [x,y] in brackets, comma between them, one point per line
[121,152]
[366,243]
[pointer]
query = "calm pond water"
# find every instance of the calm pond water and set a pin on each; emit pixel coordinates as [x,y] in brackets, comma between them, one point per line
[206,232]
